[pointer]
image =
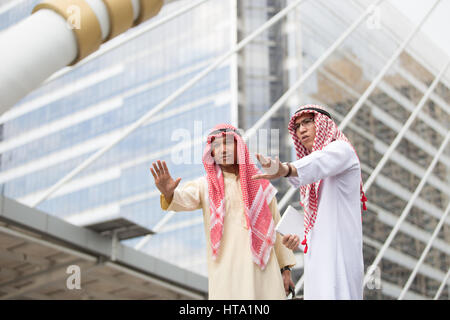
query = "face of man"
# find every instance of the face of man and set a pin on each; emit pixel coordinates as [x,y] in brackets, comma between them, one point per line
[306,130]
[224,150]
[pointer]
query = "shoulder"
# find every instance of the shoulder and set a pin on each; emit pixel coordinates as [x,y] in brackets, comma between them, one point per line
[341,147]
[201,181]
[197,183]
[203,187]
[344,149]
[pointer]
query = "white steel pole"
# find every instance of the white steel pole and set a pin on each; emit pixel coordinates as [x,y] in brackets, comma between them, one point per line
[406,210]
[441,287]
[61,33]
[383,71]
[424,253]
[109,46]
[282,100]
[404,129]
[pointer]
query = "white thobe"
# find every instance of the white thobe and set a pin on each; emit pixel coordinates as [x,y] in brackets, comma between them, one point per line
[333,264]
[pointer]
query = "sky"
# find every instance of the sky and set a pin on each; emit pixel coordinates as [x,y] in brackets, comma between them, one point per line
[437,27]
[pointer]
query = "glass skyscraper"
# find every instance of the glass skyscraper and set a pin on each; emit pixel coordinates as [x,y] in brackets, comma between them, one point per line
[65,121]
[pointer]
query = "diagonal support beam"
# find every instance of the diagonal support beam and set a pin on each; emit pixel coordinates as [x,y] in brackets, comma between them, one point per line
[444,282]
[406,210]
[282,100]
[385,69]
[424,253]
[156,229]
[404,129]
[300,283]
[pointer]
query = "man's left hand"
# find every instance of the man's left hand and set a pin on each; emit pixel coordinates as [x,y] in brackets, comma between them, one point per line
[287,281]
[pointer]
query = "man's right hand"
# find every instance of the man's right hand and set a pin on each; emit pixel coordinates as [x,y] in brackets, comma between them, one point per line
[273,169]
[163,181]
[291,241]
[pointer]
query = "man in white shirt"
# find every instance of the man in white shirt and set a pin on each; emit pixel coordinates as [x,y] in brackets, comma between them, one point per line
[328,174]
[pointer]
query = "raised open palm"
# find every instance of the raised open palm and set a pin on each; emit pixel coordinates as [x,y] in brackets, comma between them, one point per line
[163,180]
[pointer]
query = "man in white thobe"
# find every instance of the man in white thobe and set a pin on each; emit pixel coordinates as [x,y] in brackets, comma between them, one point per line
[328,174]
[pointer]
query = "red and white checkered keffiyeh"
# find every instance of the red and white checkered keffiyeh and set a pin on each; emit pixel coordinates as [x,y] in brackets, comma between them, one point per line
[326,132]
[256,195]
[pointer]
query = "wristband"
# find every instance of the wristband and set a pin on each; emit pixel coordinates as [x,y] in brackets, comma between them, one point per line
[285,268]
[290,169]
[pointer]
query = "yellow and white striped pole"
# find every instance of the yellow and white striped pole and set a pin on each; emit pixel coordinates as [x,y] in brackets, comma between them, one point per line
[60,33]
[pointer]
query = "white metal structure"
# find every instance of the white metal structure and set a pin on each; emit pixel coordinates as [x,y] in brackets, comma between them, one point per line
[424,253]
[45,42]
[121,41]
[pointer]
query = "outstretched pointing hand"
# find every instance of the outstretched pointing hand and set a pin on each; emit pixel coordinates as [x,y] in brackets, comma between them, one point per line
[163,181]
[273,169]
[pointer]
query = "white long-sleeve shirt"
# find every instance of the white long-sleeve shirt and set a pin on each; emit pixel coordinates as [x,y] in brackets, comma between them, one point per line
[334,266]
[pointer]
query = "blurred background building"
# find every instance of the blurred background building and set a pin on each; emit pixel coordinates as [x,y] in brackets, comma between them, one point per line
[53,129]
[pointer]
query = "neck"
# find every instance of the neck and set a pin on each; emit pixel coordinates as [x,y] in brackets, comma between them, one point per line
[234,168]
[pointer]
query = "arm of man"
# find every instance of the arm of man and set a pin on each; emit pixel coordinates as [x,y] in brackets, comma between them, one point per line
[332,160]
[186,198]
[285,256]
[335,158]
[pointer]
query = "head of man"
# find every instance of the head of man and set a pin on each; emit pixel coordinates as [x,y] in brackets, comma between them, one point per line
[224,150]
[311,128]
[306,130]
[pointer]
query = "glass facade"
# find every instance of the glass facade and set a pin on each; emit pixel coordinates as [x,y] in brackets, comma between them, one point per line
[59,125]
